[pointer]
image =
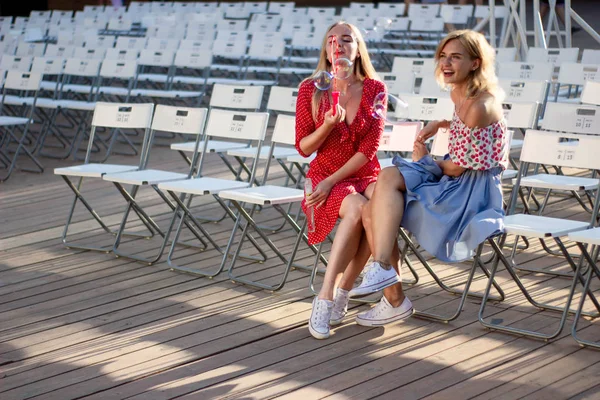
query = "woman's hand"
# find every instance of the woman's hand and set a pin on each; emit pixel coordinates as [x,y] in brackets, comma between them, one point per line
[320,194]
[428,131]
[332,120]
[419,151]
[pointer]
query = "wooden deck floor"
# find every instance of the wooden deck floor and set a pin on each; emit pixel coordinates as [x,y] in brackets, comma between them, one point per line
[76,324]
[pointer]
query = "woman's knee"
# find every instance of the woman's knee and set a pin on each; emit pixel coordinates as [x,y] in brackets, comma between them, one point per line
[353,209]
[366,215]
[391,177]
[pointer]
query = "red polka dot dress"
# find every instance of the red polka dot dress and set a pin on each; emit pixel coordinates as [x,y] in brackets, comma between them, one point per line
[343,142]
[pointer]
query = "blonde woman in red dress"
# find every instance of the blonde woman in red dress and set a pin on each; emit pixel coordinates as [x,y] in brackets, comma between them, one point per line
[345,168]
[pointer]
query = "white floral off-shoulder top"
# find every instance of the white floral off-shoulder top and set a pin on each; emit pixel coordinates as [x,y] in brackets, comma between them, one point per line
[478,148]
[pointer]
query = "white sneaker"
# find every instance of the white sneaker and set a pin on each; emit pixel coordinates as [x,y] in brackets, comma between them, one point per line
[383,313]
[340,307]
[318,324]
[377,278]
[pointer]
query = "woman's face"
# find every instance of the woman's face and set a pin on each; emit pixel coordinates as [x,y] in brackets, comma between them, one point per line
[345,44]
[455,63]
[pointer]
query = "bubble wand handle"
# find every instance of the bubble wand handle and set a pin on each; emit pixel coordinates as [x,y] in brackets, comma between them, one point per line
[335,94]
[310,210]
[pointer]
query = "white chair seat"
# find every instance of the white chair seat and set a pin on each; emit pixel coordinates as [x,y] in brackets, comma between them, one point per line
[516,144]
[93,170]
[77,88]
[589,236]
[144,177]
[300,59]
[78,105]
[540,226]
[560,182]
[302,160]
[170,94]
[214,146]
[509,173]
[47,85]
[8,121]
[278,152]
[262,195]
[189,80]
[113,90]
[296,70]
[202,186]
[263,69]
[225,67]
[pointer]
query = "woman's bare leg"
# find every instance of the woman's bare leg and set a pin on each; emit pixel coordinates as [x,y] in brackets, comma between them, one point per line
[345,243]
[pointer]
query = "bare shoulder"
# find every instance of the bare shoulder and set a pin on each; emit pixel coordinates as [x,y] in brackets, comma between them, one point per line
[484,111]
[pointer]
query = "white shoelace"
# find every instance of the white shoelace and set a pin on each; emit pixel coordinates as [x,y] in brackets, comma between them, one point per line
[320,317]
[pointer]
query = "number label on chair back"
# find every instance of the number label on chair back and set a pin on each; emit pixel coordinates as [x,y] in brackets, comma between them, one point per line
[237,124]
[591,93]
[80,67]
[115,115]
[48,65]
[19,80]
[118,69]
[561,149]
[179,119]
[519,90]
[426,108]
[399,137]
[574,118]
[89,54]
[55,50]
[282,99]
[243,97]
[520,115]
[528,70]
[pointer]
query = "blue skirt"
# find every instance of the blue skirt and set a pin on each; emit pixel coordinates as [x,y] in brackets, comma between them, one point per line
[451,216]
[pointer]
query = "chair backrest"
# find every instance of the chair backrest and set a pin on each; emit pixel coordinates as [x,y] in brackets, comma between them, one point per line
[520,115]
[230,49]
[384,9]
[573,118]
[160,44]
[9,62]
[416,66]
[179,119]
[285,130]
[430,87]
[561,149]
[552,56]
[196,45]
[156,58]
[426,108]
[118,69]
[232,25]
[130,43]
[237,124]
[89,53]
[121,54]
[398,84]
[316,12]
[48,65]
[399,137]
[99,42]
[577,74]
[590,56]
[123,115]
[506,54]
[19,80]
[456,14]
[525,70]
[192,59]
[282,99]
[427,25]
[55,50]
[31,49]
[236,97]
[591,93]
[266,50]
[423,11]
[81,67]
[524,90]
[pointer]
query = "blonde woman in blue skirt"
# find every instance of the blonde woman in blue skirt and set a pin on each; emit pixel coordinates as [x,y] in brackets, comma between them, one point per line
[451,205]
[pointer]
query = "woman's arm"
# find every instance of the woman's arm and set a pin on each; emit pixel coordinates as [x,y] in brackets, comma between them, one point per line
[431,129]
[450,169]
[311,143]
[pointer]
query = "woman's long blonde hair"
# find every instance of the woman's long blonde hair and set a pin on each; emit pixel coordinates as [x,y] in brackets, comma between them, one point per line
[363,68]
[483,79]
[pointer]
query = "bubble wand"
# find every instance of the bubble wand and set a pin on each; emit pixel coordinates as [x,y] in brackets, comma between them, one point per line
[335,94]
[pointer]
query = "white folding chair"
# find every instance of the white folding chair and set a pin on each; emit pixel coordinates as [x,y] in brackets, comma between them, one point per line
[166,119]
[116,72]
[565,150]
[22,88]
[16,63]
[590,56]
[588,242]
[574,74]
[506,54]
[225,124]
[591,93]
[112,116]
[526,70]
[421,108]
[264,58]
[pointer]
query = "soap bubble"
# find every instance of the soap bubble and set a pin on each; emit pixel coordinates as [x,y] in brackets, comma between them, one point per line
[390,108]
[342,68]
[323,80]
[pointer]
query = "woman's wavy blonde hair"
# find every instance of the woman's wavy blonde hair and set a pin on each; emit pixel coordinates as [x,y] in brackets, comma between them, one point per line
[483,79]
[363,68]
